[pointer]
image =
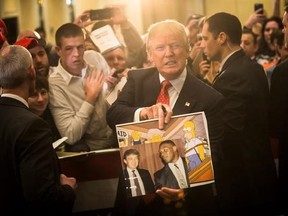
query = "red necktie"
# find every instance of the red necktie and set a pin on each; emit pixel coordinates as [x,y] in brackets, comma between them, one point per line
[163,96]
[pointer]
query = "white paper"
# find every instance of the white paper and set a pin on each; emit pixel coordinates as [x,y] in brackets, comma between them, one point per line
[58,142]
[105,39]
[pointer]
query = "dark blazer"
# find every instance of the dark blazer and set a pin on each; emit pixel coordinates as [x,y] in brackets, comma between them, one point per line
[165,177]
[141,90]
[146,179]
[279,122]
[28,164]
[250,169]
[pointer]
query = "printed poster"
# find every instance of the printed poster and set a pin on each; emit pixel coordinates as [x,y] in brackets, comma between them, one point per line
[179,156]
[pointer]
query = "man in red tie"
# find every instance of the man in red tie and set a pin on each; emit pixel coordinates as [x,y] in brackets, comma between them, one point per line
[168,49]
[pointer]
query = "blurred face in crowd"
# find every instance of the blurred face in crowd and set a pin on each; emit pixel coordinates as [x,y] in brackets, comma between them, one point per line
[132,161]
[248,44]
[193,29]
[71,54]
[212,48]
[168,52]
[116,58]
[38,101]
[168,153]
[40,60]
[269,28]
[285,29]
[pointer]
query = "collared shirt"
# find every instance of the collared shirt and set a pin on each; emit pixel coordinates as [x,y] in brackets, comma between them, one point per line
[226,58]
[16,97]
[173,92]
[180,164]
[74,117]
[132,184]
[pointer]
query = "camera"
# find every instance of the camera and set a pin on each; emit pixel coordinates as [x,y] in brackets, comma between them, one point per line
[258,6]
[101,14]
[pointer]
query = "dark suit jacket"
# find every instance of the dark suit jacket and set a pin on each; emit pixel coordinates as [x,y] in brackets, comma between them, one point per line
[165,177]
[146,179]
[141,90]
[279,121]
[250,169]
[28,164]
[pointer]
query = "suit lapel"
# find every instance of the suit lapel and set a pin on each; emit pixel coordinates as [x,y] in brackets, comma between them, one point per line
[184,102]
[238,54]
[152,85]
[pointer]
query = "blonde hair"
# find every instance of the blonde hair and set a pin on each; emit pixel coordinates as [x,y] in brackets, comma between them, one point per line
[167,25]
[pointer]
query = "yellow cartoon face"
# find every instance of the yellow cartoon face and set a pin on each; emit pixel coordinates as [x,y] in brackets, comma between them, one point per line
[135,135]
[189,130]
[156,138]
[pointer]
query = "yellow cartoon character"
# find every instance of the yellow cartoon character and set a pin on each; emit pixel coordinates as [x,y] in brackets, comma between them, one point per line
[136,137]
[194,148]
[155,135]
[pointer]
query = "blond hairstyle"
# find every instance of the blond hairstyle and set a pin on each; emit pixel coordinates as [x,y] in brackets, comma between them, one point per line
[167,25]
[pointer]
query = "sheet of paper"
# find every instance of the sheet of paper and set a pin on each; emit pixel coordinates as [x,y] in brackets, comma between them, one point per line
[105,39]
[59,142]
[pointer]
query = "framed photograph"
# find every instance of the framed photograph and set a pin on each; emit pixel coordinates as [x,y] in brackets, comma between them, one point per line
[179,156]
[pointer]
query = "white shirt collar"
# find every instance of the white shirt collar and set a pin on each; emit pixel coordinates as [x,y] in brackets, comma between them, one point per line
[226,58]
[16,97]
[178,82]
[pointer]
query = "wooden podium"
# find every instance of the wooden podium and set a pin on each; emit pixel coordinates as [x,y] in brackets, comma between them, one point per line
[97,175]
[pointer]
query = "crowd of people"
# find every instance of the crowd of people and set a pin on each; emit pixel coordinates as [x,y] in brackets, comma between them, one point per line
[233,73]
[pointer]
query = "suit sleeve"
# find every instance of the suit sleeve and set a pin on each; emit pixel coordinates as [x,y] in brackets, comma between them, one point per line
[39,171]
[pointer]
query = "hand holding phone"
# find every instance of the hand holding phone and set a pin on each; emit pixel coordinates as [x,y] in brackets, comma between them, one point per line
[101,14]
[258,7]
[205,58]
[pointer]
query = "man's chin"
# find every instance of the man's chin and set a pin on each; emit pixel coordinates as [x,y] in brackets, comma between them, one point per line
[42,72]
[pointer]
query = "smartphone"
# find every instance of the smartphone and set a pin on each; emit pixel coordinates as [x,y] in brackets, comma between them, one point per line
[258,6]
[205,58]
[101,14]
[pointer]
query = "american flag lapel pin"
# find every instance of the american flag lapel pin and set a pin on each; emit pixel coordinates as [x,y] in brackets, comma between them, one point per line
[187,104]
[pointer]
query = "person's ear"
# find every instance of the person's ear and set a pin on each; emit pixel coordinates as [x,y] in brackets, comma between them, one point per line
[149,56]
[32,72]
[222,38]
[58,50]
[125,161]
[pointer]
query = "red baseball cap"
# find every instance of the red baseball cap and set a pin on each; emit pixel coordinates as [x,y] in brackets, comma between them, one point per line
[28,43]
[3,28]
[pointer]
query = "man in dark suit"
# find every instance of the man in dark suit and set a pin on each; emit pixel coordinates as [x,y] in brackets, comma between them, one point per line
[133,174]
[168,49]
[279,117]
[168,175]
[249,171]
[29,167]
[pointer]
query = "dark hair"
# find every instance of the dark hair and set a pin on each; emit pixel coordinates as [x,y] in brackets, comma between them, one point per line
[40,30]
[271,19]
[227,23]
[67,30]
[249,31]
[131,151]
[278,35]
[167,142]
[41,82]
